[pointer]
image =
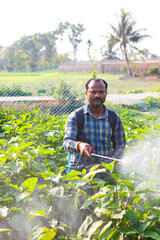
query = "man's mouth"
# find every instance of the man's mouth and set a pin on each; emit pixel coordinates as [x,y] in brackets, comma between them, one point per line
[97,99]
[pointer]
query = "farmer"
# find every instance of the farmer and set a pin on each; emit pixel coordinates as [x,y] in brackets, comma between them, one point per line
[96,127]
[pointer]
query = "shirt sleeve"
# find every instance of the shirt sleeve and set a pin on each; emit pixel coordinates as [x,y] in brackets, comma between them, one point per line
[118,140]
[70,142]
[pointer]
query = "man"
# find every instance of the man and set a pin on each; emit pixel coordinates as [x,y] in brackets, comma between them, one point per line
[96,133]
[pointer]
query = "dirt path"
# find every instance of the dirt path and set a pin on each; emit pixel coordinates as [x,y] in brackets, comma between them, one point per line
[130,98]
[113,98]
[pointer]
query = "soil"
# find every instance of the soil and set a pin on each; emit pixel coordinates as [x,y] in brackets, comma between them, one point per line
[133,98]
[153,78]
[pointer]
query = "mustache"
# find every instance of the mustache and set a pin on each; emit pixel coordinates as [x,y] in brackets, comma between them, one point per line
[97,99]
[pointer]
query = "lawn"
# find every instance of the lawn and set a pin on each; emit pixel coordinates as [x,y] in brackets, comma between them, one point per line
[33,81]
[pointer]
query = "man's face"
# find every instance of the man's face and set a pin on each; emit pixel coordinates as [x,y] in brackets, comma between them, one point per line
[96,93]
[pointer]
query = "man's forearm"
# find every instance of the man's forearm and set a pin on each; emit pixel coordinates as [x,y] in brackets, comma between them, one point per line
[70,145]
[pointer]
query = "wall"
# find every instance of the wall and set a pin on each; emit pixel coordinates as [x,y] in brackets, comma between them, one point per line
[138,67]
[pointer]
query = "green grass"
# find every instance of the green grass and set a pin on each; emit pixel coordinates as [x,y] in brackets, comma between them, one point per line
[33,81]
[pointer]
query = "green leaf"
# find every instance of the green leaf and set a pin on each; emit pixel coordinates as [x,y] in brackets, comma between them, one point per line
[30,184]
[94,227]
[85,225]
[49,235]
[21,196]
[105,227]
[106,234]
[72,175]
[145,191]
[37,214]
[3,158]
[130,187]
[142,226]
[92,173]
[152,234]
[126,182]
[20,210]
[132,216]
[14,186]
[116,176]
[108,166]
[118,215]
[36,232]
[138,207]
[128,230]
[87,203]
[16,166]
[101,193]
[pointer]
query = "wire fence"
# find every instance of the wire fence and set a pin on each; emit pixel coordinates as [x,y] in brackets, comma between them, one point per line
[55,89]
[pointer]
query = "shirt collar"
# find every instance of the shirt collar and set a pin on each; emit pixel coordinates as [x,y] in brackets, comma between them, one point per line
[88,110]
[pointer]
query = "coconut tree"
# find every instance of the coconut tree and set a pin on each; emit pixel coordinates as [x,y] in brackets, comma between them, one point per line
[110,53]
[125,35]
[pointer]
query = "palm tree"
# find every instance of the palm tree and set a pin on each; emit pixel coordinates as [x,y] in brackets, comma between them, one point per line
[109,53]
[126,36]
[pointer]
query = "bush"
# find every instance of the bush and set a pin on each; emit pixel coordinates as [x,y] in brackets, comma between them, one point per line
[134,74]
[123,68]
[15,91]
[68,99]
[153,70]
[41,91]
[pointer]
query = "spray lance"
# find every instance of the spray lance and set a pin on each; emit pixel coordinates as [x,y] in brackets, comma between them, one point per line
[98,155]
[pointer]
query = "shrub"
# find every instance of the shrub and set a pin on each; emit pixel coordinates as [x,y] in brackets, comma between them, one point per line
[153,70]
[123,68]
[134,74]
[68,99]
[15,91]
[41,91]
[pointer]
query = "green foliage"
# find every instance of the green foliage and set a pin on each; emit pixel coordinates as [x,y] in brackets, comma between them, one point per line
[131,91]
[134,74]
[94,73]
[153,102]
[68,98]
[125,35]
[74,32]
[15,91]
[41,91]
[39,201]
[153,70]
[123,68]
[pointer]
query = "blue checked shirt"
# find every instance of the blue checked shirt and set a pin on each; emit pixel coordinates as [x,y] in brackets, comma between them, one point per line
[97,133]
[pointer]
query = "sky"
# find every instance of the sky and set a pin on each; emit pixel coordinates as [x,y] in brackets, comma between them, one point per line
[20,18]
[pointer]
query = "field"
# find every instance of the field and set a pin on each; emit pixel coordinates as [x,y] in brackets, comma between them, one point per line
[34,81]
[40,201]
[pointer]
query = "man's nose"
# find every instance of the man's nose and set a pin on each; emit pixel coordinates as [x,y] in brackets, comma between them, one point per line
[97,94]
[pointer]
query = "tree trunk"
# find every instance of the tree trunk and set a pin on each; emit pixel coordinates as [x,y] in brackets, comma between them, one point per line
[127,63]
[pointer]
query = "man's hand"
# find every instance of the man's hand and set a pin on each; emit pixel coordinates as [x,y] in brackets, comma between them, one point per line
[84,149]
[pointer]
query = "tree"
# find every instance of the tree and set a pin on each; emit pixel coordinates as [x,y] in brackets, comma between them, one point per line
[110,53]
[125,35]
[15,59]
[74,33]
[38,46]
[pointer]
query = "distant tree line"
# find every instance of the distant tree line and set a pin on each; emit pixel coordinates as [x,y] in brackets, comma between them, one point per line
[39,50]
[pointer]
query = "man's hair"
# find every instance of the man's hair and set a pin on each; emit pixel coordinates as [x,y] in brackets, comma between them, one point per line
[96,80]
